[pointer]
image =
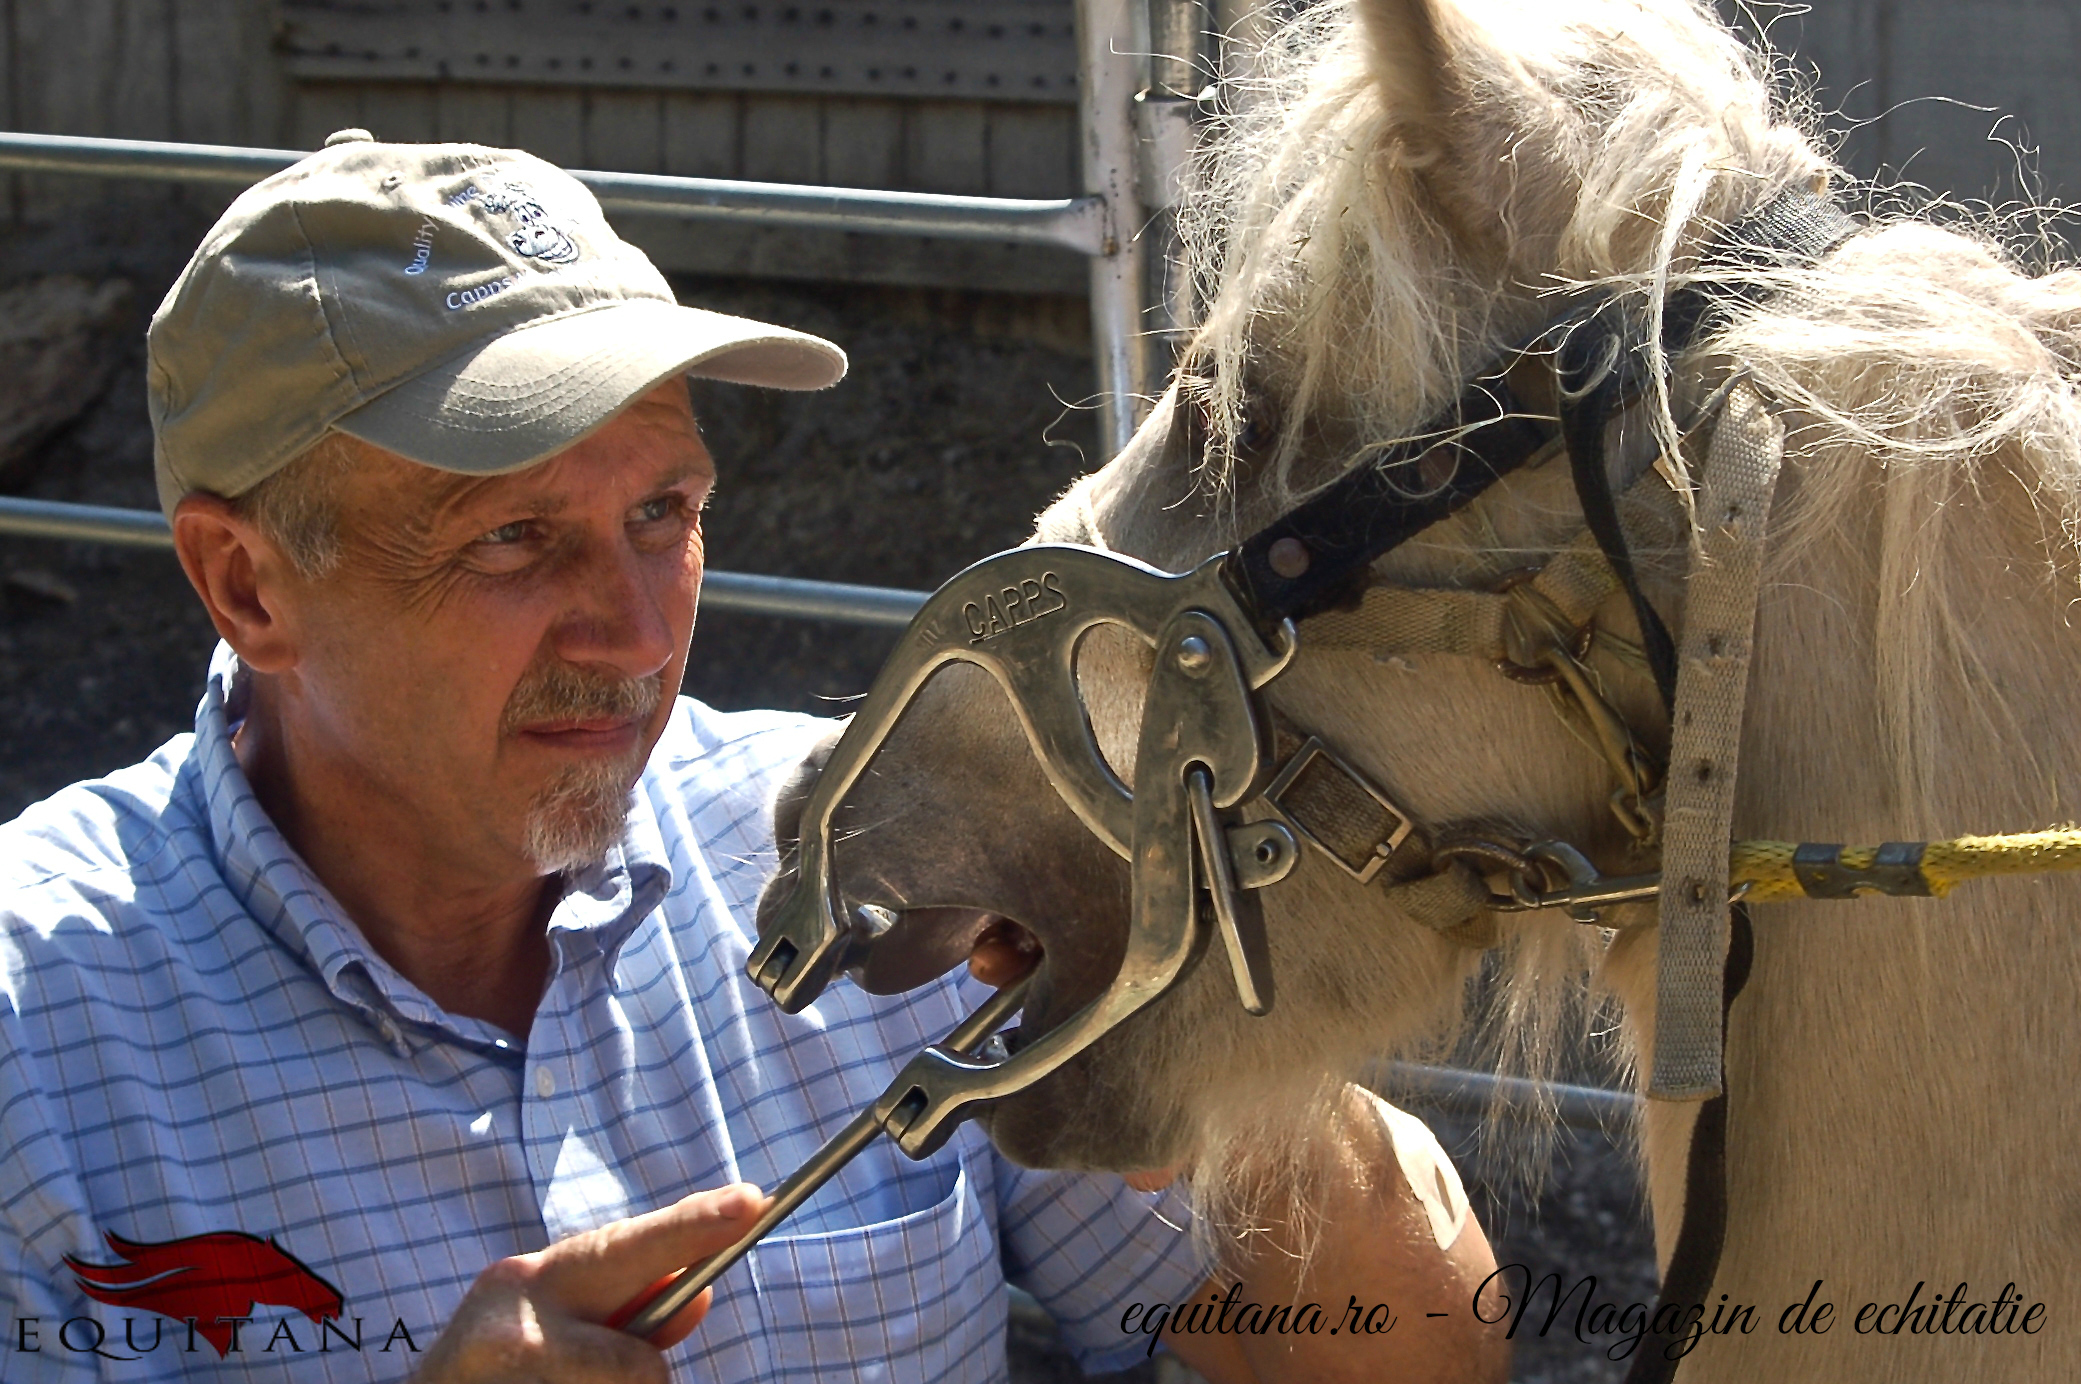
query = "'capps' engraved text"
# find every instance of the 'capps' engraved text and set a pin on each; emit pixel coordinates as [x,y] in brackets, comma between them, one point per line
[1003,611]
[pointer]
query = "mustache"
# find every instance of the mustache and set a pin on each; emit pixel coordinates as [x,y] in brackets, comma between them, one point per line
[568,692]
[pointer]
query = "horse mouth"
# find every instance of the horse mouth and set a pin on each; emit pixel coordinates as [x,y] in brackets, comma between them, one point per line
[1005,952]
[915,946]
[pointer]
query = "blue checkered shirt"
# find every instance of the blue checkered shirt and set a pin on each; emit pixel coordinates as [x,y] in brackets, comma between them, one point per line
[195,1039]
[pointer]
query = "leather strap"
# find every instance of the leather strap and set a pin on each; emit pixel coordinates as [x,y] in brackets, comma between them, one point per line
[1328,541]
[1596,366]
[1695,1262]
[1734,504]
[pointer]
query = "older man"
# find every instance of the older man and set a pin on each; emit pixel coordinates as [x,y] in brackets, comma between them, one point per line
[395,1021]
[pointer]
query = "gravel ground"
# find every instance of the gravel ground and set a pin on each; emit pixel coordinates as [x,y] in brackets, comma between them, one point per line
[958,423]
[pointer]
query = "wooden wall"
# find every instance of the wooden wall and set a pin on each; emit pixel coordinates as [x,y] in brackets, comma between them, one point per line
[201,70]
[231,71]
[213,71]
[1977,97]
[970,147]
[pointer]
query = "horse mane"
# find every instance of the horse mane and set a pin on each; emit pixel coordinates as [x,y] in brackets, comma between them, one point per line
[1615,139]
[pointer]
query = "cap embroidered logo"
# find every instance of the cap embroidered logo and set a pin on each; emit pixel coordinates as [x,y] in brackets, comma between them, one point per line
[539,236]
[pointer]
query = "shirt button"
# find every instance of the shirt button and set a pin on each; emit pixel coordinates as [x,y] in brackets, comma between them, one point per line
[545,1082]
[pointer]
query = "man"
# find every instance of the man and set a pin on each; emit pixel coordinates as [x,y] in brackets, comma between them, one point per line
[425,953]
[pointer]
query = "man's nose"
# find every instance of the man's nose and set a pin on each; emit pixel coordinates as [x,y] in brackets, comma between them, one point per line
[621,611]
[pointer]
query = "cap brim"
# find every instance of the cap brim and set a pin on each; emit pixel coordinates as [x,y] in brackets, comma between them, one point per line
[526,394]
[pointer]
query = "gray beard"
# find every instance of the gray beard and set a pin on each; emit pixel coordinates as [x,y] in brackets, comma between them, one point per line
[578,817]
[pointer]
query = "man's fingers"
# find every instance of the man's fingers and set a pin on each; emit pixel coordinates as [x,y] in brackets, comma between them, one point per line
[679,1326]
[591,1276]
[503,1335]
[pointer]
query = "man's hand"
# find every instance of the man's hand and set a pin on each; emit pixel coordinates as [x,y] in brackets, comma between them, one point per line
[1395,1234]
[536,1318]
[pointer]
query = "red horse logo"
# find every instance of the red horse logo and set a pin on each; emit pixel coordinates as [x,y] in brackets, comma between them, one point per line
[210,1278]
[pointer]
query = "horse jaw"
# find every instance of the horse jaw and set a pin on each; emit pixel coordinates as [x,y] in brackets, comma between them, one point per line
[1182,1082]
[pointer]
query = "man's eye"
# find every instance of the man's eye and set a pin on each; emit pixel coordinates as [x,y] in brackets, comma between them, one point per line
[656,510]
[506,533]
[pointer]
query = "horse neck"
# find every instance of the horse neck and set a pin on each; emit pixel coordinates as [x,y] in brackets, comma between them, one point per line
[1912,679]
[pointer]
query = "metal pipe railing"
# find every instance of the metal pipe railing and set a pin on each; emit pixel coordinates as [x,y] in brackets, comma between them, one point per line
[1073,223]
[1109,45]
[748,592]
[1471,1094]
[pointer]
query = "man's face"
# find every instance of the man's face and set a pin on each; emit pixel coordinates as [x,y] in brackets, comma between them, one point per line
[498,655]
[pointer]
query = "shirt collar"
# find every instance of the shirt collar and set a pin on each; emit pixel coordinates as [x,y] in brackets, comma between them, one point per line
[602,904]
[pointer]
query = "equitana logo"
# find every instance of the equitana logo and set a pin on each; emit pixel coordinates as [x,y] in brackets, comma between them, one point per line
[211,1284]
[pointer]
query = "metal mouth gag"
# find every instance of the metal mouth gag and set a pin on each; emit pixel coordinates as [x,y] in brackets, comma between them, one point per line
[1021,615]
[1203,751]
[1222,632]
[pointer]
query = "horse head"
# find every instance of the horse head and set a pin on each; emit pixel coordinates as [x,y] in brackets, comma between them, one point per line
[1413,190]
[1399,204]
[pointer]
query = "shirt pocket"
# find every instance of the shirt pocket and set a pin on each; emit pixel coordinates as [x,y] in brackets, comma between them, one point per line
[917,1298]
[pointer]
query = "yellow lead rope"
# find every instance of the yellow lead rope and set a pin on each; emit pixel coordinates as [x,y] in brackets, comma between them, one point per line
[1775,870]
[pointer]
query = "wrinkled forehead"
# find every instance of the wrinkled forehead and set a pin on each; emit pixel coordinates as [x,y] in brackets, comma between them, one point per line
[653,445]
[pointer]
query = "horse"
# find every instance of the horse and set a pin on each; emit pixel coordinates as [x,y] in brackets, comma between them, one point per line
[1413,188]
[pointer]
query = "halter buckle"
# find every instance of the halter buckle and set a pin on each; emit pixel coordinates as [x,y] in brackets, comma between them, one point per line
[1319,787]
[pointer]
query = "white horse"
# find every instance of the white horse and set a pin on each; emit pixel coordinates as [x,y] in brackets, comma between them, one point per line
[1396,208]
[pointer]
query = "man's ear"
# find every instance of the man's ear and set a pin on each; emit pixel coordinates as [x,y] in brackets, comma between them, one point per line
[243,578]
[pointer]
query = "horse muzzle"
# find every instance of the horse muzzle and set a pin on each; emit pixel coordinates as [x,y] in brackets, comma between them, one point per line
[1203,752]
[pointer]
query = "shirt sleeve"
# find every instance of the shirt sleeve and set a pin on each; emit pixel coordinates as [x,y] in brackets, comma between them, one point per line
[1088,1246]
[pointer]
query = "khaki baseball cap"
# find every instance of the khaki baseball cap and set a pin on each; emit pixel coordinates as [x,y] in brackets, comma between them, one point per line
[465,307]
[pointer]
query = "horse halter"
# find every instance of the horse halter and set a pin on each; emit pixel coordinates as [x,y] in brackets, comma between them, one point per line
[1208,744]
[1220,634]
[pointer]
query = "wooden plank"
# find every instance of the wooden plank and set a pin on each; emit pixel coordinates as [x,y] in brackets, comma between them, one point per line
[625,131]
[1032,151]
[946,146]
[702,135]
[323,107]
[227,79]
[996,50]
[141,96]
[474,115]
[783,140]
[401,112]
[2015,56]
[863,142]
[11,185]
[550,124]
[65,64]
